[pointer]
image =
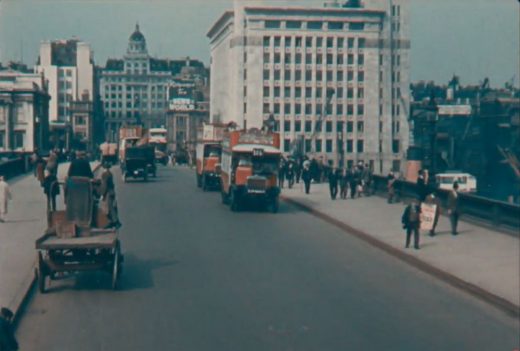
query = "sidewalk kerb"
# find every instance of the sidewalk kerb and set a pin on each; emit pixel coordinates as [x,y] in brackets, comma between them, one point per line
[490,298]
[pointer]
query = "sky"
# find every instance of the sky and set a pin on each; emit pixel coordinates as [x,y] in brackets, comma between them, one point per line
[471,38]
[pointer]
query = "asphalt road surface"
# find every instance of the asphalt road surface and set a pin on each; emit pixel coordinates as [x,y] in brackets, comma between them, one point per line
[198,277]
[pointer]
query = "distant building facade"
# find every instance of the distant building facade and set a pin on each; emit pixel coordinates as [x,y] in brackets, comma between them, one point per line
[24,112]
[68,67]
[334,78]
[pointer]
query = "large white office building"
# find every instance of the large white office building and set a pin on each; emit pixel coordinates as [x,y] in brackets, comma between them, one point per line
[334,78]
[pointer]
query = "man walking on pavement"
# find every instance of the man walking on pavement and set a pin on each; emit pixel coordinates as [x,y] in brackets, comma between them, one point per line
[453,207]
[108,194]
[390,185]
[306,177]
[7,340]
[5,196]
[412,222]
[333,184]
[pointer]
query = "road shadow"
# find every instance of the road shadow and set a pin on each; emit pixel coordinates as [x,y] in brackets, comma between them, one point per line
[136,274]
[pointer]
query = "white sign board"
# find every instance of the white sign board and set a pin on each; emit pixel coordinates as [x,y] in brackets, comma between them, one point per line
[427,216]
[454,110]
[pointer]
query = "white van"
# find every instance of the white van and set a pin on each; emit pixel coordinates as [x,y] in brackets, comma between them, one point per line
[467,182]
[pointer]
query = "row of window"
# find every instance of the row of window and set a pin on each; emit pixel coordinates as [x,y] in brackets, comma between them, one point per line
[340,76]
[309,110]
[116,87]
[315,42]
[317,59]
[134,97]
[119,104]
[18,139]
[315,25]
[308,126]
[347,146]
[311,93]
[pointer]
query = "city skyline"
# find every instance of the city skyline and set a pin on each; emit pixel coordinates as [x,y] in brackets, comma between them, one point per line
[446,38]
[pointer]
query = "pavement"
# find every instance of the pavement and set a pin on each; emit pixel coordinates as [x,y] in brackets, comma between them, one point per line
[26,221]
[481,261]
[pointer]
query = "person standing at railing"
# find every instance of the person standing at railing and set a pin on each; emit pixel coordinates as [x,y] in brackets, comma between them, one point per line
[453,207]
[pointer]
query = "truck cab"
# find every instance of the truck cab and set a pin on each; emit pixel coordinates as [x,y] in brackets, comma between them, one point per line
[249,170]
[208,159]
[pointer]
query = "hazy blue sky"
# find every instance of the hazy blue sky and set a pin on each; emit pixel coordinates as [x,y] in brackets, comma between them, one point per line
[473,38]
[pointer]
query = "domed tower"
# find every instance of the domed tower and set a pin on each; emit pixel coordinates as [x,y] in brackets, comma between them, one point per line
[137,42]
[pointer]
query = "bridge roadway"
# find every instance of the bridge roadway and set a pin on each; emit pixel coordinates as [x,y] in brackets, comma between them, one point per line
[199,277]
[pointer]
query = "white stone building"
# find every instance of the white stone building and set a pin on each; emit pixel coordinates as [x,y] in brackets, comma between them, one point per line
[335,78]
[24,112]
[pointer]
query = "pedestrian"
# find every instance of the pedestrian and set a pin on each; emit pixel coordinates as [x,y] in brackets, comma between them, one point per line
[290,173]
[390,186]
[7,339]
[352,183]
[307,177]
[298,170]
[422,187]
[433,200]
[333,184]
[411,223]
[453,207]
[343,184]
[367,180]
[51,189]
[281,174]
[39,168]
[52,163]
[108,195]
[80,167]
[5,196]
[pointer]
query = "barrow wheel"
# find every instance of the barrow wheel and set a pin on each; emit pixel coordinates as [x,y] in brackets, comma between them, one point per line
[116,266]
[41,274]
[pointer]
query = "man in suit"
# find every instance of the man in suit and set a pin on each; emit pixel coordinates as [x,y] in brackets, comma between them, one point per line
[411,220]
[453,207]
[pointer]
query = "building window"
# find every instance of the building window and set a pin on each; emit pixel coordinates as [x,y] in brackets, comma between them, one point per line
[277,42]
[319,42]
[360,127]
[277,58]
[297,125]
[298,92]
[308,109]
[350,109]
[287,92]
[350,144]
[361,76]
[308,126]
[356,26]
[330,58]
[288,41]
[287,109]
[360,145]
[286,145]
[330,74]
[339,76]
[361,43]
[361,59]
[19,138]
[315,25]
[287,59]
[298,75]
[319,75]
[267,57]
[298,58]
[308,42]
[308,92]
[266,74]
[360,93]
[396,166]
[318,144]
[272,24]
[277,109]
[335,25]
[360,110]
[339,59]
[298,42]
[350,93]
[308,75]
[298,109]
[328,126]
[293,24]
[350,59]
[350,43]
[319,59]
[339,109]
[267,41]
[319,93]
[350,127]
[266,108]
[266,91]
[287,126]
[330,43]
[80,120]
[395,146]
[328,145]
[276,91]
[287,74]
[277,75]
[339,91]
